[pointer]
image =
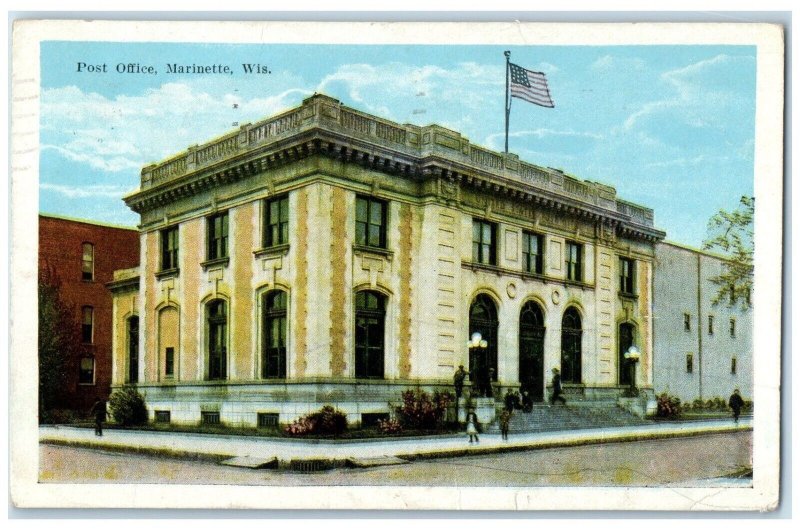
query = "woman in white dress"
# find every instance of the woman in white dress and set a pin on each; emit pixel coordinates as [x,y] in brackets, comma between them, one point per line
[472,422]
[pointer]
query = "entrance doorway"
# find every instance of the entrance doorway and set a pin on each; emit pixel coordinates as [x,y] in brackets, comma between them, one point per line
[531,351]
[625,338]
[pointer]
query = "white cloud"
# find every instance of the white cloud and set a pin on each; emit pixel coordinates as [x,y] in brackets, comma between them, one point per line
[403,90]
[702,90]
[81,192]
[124,133]
[609,62]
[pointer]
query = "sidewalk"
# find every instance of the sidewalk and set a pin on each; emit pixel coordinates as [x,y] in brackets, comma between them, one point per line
[286,450]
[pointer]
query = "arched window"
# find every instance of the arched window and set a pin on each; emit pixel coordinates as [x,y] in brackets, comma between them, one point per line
[571,346]
[531,350]
[625,339]
[217,339]
[483,320]
[133,349]
[370,316]
[273,359]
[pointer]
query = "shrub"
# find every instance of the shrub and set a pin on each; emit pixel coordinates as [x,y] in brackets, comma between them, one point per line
[390,426]
[326,421]
[55,416]
[668,406]
[697,404]
[127,406]
[421,411]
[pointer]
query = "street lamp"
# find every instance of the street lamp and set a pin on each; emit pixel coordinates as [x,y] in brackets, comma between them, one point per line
[632,356]
[478,342]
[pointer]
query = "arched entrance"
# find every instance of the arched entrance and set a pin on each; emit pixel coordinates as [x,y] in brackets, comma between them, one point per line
[483,320]
[571,346]
[531,350]
[625,339]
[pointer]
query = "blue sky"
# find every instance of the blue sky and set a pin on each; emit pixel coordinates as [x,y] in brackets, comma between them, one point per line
[670,127]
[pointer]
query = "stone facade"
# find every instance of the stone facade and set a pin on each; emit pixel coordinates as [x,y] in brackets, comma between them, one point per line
[703,350]
[83,281]
[400,242]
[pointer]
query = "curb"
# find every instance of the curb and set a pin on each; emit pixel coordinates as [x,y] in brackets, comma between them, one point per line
[413,456]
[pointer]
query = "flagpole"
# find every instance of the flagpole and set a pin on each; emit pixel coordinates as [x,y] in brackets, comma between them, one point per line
[507,103]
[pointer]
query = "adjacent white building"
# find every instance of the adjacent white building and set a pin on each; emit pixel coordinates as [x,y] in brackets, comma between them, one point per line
[701,350]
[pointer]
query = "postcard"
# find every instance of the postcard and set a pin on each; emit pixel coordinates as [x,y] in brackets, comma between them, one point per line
[461,266]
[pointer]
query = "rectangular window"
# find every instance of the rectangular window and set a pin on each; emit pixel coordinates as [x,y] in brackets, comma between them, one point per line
[209,418]
[169,361]
[370,222]
[87,262]
[532,252]
[267,419]
[276,222]
[710,324]
[483,242]
[169,248]
[687,322]
[163,416]
[627,270]
[86,374]
[733,365]
[732,327]
[87,324]
[689,363]
[574,261]
[218,236]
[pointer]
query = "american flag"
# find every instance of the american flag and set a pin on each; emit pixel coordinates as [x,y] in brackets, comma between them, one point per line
[530,86]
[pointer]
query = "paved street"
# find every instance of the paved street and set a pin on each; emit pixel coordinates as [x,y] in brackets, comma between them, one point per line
[654,462]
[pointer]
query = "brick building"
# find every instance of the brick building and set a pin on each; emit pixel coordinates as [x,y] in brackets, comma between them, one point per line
[83,255]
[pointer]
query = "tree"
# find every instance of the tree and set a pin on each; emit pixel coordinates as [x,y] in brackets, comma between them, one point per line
[59,342]
[732,234]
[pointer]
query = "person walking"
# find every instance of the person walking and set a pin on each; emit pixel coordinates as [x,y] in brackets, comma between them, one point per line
[100,413]
[527,402]
[505,417]
[736,403]
[472,426]
[557,390]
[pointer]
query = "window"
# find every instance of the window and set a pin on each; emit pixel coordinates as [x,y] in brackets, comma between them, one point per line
[276,222]
[169,361]
[731,294]
[133,349]
[571,346]
[689,363]
[87,324]
[86,373]
[87,262]
[370,315]
[687,322]
[710,324]
[267,419]
[169,248]
[626,275]
[483,319]
[209,417]
[162,416]
[532,251]
[732,327]
[483,246]
[370,222]
[573,261]
[218,236]
[733,365]
[217,339]
[273,361]
[625,339]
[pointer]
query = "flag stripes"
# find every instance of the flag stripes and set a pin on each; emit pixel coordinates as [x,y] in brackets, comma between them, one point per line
[529,86]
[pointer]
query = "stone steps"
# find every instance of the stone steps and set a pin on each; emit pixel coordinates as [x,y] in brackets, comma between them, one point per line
[574,416]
